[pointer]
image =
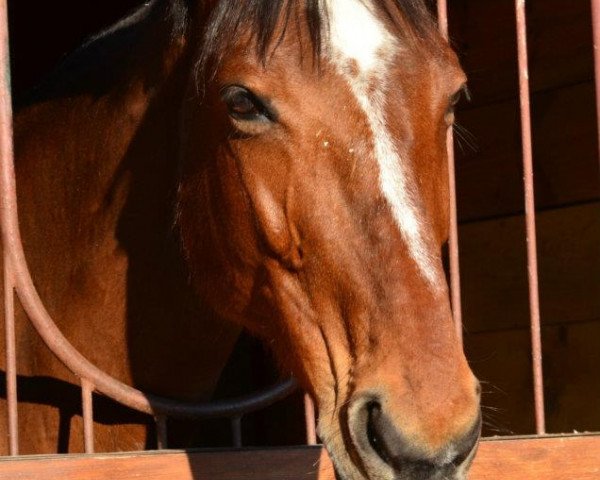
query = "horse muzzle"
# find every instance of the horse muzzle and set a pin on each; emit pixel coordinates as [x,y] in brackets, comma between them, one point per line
[384,448]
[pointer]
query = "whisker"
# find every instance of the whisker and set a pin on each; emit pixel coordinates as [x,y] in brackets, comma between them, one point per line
[464,137]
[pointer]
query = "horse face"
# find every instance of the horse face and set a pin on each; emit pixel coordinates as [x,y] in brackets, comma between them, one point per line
[313,209]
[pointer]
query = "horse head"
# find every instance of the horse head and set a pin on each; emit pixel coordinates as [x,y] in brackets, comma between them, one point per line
[313,208]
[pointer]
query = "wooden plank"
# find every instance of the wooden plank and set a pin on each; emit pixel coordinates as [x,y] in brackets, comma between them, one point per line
[496,318]
[494,269]
[489,178]
[502,360]
[560,45]
[275,464]
[556,458]
[561,458]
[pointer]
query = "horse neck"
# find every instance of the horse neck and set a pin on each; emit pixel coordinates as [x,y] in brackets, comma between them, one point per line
[95,109]
[97,170]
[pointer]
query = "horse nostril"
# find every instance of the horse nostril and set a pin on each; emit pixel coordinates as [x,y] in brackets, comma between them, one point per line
[391,447]
[373,434]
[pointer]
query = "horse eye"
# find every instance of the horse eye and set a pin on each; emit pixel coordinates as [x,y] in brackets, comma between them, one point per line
[457,97]
[454,99]
[243,105]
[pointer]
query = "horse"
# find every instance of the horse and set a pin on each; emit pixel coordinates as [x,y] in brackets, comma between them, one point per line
[280,166]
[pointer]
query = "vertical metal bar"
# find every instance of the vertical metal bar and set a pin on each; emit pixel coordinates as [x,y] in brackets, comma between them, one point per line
[162,440]
[442,11]
[87,408]
[596,27]
[11,358]
[453,248]
[310,420]
[6,152]
[534,301]
[236,430]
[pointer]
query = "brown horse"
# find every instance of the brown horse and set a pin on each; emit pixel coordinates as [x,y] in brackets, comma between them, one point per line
[277,165]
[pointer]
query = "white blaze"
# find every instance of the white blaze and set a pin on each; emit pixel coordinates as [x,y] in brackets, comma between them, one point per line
[362,49]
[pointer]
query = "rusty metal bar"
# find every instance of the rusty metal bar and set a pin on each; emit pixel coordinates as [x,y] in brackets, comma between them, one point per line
[87,407]
[442,14]
[11,362]
[534,301]
[162,440]
[6,154]
[43,323]
[67,354]
[310,420]
[453,248]
[76,362]
[236,430]
[596,27]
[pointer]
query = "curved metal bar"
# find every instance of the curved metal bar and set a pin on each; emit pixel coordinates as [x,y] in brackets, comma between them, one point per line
[55,340]
[78,364]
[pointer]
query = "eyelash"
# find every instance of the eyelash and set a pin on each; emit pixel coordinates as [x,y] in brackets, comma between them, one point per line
[258,110]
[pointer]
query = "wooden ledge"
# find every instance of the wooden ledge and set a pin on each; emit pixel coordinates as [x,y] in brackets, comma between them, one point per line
[547,458]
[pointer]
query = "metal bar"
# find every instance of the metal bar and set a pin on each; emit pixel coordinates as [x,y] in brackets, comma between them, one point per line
[596,27]
[534,301]
[236,431]
[87,407]
[11,361]
[6,154]
[310,420]
[453,248]
[442,13]
[162,440]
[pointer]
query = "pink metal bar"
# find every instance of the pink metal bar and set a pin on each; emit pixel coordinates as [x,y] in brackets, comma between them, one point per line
[62,348]
[596,26]
[453,249]
[87,405]
[442,12]
[6,153]
[162,441]
[310,420]
[72,359]
[534,301]
[11,363]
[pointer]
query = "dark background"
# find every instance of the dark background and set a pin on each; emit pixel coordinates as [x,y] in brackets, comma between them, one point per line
[43,32]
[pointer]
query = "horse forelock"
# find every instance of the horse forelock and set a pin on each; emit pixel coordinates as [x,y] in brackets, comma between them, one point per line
[267,21]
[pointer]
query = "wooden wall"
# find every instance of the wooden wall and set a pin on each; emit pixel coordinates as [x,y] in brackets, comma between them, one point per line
[490,201]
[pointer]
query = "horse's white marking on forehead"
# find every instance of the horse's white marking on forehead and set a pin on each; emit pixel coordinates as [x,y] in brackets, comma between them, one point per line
[355,33]
[362,48]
